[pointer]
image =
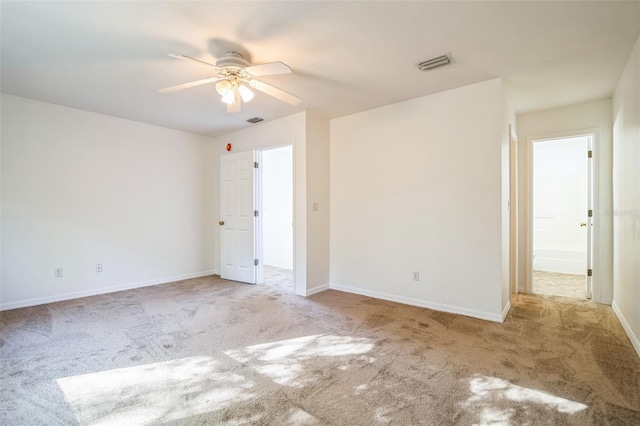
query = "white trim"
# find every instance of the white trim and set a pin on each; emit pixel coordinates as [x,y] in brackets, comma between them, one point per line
[506,310]
[627,328]
[259,221]
[260,207]
[316,290]
[420,303]
[102,290]
[514,211]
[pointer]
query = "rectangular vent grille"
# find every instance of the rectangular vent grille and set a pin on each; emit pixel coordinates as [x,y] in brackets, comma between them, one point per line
[255,120]
[435,62]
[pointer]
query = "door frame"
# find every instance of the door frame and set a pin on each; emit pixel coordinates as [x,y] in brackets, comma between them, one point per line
[259,229]
[513,211]
[594,134]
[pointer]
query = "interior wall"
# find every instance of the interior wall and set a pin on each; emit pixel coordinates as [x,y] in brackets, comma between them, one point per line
[318,203]
[560,122]
[277,211]
[80,188]
[508,127]
[211,229]
[626,198]
[417,186]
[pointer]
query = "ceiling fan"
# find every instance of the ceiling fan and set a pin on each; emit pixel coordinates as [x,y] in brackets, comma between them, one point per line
[234,76]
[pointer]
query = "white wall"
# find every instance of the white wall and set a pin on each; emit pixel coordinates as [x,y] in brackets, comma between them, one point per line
[626,198]
[80,188]
[560,205]
[417,186]
[508,126]
[277,206]
[567,121]
[318,231]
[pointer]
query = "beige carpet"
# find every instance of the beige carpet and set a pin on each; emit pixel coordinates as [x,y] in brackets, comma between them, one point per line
[206,351]
[557,284]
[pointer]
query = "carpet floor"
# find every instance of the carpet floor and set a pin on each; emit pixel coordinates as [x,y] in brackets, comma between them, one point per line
[209,351]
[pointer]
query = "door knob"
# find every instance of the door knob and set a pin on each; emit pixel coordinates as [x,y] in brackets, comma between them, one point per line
[222,223]
[583,224]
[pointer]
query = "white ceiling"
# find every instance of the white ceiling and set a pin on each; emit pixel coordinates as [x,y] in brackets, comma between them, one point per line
[347,57]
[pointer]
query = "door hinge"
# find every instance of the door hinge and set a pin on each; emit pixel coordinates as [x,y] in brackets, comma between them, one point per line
[590,213]
[255,262]
[255,213]
[255,164]
[589,272]
[590,154]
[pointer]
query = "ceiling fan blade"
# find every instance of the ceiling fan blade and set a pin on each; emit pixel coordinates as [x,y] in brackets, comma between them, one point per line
[188,85]
[236,106]
[275,92]
[189,58]
[269,69]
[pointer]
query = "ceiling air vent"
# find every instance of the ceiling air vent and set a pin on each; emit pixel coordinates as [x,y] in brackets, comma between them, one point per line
[435,62]
[255,120]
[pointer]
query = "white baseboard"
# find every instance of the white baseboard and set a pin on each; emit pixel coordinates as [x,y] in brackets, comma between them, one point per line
[505,311]
[421,303]
[315,290]
[602,301]
[627,328]
[103,290]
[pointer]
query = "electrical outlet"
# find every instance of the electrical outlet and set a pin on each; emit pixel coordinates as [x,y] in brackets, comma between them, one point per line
[98,267]
[416,275]
[314,207]
[57,272]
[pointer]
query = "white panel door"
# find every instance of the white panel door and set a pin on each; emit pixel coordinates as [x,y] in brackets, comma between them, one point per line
[237,221]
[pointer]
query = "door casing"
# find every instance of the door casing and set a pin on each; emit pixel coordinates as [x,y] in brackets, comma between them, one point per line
[259,232]
[513,211]
[592,256]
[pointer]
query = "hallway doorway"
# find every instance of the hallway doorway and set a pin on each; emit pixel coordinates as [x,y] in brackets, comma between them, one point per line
[562,225]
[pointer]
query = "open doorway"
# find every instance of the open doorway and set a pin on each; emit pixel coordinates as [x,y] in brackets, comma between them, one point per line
[562,226]
[275,242]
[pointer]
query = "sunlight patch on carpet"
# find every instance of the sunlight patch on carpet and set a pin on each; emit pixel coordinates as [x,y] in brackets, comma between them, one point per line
[148,394]
[285,361]
[491,393]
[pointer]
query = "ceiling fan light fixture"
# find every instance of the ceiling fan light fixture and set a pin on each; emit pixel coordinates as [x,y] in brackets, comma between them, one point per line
[234,80]
[223,87]
[229,98]
[245,93]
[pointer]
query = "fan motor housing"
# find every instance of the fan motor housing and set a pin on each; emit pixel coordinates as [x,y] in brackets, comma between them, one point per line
[232,60]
